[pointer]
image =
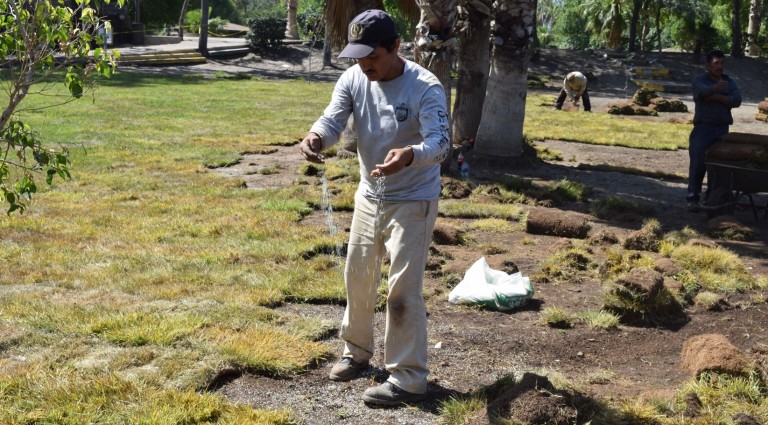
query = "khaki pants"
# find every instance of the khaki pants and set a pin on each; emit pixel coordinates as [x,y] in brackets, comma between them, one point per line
[405,231]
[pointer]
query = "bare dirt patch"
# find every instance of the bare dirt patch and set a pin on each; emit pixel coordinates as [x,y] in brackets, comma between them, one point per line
[471,348]
[477,347]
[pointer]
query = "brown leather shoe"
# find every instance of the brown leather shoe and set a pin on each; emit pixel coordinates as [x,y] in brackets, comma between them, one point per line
[347,369]
[389,394]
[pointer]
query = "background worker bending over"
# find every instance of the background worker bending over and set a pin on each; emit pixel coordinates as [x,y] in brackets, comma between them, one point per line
[574,88]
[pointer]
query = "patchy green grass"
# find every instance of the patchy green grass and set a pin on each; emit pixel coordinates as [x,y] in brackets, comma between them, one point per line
[166,271]
[51,393]
[713,269]
[541,122]
[464,208]
[708,300]
[563,264]
[126,290]
[600,376]
[556,317]
[609,206]
[619,261]
[565,190]
[598,319]
[455,411]
[494,225]
[722,398]
[522,190]
[548,154]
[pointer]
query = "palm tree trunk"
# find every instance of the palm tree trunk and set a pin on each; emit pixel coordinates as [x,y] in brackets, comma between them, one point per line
[736,50]
[327,60]
[435,45]
[203,41]
[636,7]
[473,37]
[658,29]
[753,29]
[501,127]
[292,28]
[616,28]
[182,18]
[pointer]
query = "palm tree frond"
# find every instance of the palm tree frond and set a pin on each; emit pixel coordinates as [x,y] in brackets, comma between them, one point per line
[409,10]
[338,13]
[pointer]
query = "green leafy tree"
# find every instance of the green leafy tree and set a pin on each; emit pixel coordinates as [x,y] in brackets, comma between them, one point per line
[605,19]
[40,40]
[159,13]
[569,28]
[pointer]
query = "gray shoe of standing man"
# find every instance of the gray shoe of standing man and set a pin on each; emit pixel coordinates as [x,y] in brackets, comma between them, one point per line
[347,369]
[389,394]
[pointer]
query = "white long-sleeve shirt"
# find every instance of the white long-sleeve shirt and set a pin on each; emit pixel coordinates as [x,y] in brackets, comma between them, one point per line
[407,110]
[575,83]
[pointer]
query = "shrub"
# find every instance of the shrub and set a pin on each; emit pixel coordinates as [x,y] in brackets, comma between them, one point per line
[266,33]
[311,25]
[193,18]
[216,25]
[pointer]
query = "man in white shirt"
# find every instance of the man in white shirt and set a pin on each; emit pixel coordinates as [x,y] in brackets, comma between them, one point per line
[401,122]
[574,88]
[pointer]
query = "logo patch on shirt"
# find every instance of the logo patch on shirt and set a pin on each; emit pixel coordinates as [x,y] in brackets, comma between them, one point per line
[401,112]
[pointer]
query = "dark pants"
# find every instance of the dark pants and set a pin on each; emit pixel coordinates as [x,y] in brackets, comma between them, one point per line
[702,138]
[584,97]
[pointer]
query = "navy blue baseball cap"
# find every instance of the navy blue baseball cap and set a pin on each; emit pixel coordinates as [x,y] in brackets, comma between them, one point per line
[366,32]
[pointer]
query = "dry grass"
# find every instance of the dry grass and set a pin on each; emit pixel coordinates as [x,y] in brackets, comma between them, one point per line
[714,269]
[124,291]
[129,287]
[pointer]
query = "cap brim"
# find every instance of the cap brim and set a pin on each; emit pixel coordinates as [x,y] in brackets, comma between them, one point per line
[356,51]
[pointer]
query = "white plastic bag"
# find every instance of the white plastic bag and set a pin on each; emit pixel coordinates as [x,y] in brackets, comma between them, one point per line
[491,288]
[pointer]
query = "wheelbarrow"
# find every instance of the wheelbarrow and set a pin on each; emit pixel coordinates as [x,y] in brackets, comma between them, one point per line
[729,182]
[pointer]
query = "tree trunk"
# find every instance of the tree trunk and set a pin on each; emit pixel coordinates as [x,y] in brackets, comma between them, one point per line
[636,6]
[658,30]
[645,26]
[753,29]
[473,37]
[291,27]
[535,35]
[327,60]
[203,42]
[736,49]
[501,127]
[616,27]
[182,18]
[435,46]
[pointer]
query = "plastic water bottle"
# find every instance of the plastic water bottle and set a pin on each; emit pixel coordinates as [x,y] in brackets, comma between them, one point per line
[460,159]
[464,170]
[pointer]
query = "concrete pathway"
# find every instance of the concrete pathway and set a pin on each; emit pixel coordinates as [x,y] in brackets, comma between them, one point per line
[189,43]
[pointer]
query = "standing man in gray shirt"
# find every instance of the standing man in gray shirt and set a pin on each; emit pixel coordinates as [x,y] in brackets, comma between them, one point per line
[714,95]
[401,121]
